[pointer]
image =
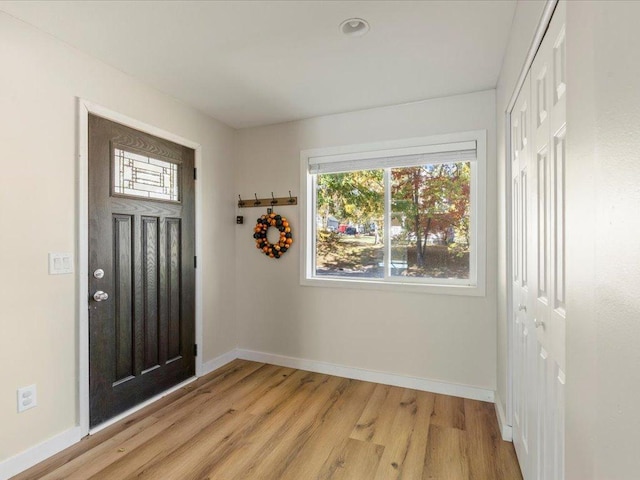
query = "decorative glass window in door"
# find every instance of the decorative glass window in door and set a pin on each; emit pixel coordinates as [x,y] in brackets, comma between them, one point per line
[143,176]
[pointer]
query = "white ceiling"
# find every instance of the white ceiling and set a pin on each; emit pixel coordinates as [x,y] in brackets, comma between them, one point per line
[261,62]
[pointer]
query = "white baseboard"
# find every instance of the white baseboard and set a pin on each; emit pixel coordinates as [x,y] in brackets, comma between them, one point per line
[218,362]
[505,429]
[27,459]
[415,383]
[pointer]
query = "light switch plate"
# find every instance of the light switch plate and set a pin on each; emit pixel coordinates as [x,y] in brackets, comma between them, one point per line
[60,263]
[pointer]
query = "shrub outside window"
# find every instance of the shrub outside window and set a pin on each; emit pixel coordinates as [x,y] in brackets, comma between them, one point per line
[402,215]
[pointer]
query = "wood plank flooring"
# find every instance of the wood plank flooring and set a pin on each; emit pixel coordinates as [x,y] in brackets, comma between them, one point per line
[251,420]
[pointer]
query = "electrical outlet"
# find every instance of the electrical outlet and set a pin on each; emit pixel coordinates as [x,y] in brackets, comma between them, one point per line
[27,398]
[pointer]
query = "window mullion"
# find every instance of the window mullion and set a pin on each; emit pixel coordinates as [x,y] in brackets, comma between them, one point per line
[387,223]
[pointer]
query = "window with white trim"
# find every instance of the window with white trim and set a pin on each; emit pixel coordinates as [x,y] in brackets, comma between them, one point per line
[406,215]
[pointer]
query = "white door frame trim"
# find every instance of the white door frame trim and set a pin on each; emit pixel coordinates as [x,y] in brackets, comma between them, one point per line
[84,108]
[543,24]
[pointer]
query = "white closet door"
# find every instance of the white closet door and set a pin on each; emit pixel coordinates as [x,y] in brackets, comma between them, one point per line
[538,145]
[546,300]
[524,340]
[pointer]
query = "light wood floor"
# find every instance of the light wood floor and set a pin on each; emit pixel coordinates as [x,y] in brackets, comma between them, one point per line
[250,420]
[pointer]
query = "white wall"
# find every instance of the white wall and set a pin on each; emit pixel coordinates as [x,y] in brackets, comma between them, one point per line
[523,28]
[438,337]
[603,246]
[40,81]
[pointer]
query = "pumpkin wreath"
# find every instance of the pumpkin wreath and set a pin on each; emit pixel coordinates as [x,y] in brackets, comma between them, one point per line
[273,250]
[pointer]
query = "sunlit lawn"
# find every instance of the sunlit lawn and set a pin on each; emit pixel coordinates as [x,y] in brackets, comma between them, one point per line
[349,254]
[358,255]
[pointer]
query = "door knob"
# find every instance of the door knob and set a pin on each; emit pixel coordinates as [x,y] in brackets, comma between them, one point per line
[522,308]
[100,296]
[538,323]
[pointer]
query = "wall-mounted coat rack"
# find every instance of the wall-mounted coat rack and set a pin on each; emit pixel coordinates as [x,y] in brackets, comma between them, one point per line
[267,202]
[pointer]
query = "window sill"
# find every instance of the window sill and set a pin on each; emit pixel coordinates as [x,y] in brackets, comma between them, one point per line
[399,287]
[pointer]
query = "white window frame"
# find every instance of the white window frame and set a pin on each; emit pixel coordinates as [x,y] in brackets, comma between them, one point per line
[475,286]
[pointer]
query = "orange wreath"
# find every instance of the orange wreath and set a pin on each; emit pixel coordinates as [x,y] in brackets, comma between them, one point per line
[273,250]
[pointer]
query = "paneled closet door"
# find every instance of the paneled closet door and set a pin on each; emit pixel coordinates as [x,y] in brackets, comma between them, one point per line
[524,337]
[538,153]
[546,300]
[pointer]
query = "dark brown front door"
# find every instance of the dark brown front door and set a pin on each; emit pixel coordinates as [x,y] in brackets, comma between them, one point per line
[141,267]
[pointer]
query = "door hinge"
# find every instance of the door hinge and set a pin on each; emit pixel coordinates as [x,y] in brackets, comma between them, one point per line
[195,173]
[195,261]
[195,349]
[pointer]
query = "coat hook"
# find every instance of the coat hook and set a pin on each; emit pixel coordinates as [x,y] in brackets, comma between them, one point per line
[291,199]
[257,202]
[273,200]
[241,202]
